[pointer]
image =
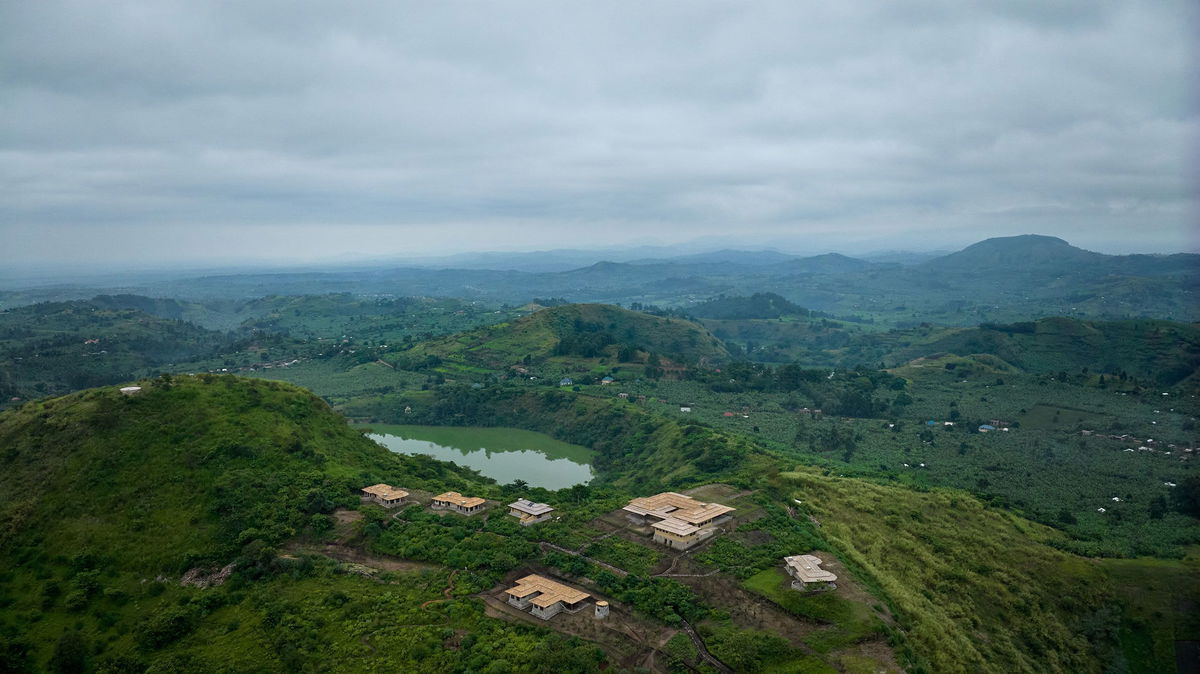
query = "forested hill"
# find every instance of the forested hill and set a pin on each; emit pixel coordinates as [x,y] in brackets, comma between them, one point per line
[577,331]
[1159,352]
[189,470]
[55,347]
[758,305]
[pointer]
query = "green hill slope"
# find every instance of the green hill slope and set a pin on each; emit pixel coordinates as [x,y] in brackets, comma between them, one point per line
[575,331]
[105,500]
[1162,352]
[55,347]
[758,305]
[192,467]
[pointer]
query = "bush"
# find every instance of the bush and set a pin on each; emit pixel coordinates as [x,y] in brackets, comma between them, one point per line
[165,627]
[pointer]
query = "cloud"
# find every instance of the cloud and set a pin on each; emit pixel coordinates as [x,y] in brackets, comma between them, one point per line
[462,124]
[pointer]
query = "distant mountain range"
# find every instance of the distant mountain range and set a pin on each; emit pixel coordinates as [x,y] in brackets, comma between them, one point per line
[999,279]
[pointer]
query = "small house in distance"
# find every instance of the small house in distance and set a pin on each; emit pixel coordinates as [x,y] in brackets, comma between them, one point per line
[452,500]
[385,494]
[131,390]
[528,512]
[806,570]
[678,521]
[566,381]
[545,598]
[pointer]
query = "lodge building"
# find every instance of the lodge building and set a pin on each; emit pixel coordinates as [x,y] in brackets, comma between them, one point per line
[452,500]
[385,494]
[527,512]
[678,521]
[545,598]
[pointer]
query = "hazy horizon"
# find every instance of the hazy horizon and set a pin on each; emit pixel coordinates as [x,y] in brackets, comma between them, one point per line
[204,134]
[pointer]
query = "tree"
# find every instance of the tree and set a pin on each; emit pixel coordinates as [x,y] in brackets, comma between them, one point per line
[1185,498]
[1158,507]
[70,653]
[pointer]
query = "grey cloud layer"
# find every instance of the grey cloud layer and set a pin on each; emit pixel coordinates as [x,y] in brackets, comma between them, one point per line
[459,120]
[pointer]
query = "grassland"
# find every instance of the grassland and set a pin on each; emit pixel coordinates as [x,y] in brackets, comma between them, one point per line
[973,589]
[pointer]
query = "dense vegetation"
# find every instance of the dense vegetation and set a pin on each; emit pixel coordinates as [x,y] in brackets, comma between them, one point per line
[1021,495]
[758,305]
[58,347]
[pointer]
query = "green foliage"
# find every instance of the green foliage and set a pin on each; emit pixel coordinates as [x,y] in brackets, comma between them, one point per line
[747,650]
[849,622]
[923,550]
[457,542]
[786,536]
[584,331]
[53,348]
[631,557]
[187,472]
[758,305]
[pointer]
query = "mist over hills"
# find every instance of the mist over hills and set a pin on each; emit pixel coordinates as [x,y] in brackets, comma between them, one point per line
[1006,278]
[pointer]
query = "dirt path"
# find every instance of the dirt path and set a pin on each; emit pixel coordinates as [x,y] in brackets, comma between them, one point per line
[595,540]
[445,593]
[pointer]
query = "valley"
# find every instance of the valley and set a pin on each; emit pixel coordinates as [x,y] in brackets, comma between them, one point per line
[996,496]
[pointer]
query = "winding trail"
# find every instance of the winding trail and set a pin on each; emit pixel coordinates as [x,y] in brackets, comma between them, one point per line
[445,593]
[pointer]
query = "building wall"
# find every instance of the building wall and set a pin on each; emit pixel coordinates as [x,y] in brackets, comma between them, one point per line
[548,612]
[675,542]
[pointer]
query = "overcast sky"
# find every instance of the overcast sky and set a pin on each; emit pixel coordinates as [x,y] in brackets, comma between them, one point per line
[196,130]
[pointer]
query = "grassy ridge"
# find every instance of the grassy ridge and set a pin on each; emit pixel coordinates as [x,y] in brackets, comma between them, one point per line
[975,589]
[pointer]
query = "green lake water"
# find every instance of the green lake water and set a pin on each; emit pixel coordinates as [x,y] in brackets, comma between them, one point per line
[503,454]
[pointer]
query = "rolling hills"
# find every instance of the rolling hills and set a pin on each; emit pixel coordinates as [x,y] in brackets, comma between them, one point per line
[591,332]
[106,499]
[52,348]
[1163,353]
[1001,279]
